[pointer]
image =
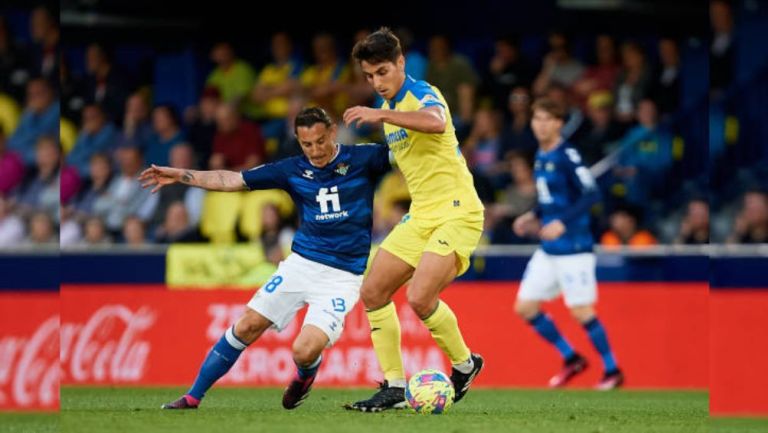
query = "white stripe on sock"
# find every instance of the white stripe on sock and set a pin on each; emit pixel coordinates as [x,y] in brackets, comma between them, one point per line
[232,340]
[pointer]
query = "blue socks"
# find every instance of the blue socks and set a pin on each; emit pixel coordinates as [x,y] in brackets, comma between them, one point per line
[600,340]
[547,329]
[218,362]
[311,370]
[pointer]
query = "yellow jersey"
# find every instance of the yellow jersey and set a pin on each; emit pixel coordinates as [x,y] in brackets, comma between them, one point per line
[435,171]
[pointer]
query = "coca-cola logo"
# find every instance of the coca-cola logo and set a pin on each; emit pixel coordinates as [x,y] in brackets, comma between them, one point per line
[108,347]
[31,367]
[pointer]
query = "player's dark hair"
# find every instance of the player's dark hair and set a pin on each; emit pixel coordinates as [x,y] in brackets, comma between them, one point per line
[549,106]
[378,47]
[308,116]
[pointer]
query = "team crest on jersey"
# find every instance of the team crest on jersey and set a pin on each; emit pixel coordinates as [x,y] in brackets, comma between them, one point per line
[342,169]
[550,166]
[308,174]
[428,98]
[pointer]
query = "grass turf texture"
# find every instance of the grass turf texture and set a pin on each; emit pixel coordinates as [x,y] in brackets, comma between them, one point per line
[234,410]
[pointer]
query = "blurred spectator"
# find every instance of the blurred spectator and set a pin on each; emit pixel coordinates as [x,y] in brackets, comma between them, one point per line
[558,66]
[42,230]
[646,155]
[624,230]
[96,233]
[665,88]
[137,126]
[176,226]
[233,77]
[633,83]
[167,133]
[71,92]
[70,232]
[125,196]
[721,50]
[133,232]
[181,157]
[455,77]
[46,33]
[69,183]
[274,231]
[601,75]
[201,125]
[276,83]
[391,190]
[14,64]
[751,224]
[482,147]
[415,62]
[516,199]
[11,226]
[96,135]
[324,82]
[41,192]
[238,144]
[694,228]
[506,71]
[359,92]
[41,116]
[603,129]
[518,136]
[11,168]
[100,169]
[106,84]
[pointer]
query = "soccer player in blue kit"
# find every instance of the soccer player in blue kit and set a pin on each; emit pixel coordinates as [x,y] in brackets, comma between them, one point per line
[565,261]
[332,185]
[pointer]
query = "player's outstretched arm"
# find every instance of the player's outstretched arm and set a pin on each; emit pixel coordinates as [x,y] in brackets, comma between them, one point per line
[213,180]
[430,120]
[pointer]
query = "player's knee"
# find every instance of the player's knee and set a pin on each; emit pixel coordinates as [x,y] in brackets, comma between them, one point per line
[583,313]
[372,297]
[250,327]
[304,354]
[525,309]
[421,304]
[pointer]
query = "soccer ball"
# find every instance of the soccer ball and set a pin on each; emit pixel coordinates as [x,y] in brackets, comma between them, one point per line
[430,392]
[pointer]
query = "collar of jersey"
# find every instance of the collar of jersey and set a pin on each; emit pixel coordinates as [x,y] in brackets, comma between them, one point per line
[401,93]
[336,155]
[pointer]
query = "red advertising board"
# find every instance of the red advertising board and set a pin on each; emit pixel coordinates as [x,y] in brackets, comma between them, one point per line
[738,347]
[117,335]
[29,351]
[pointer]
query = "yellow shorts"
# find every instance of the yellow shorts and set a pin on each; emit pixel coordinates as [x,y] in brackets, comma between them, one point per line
[412,237]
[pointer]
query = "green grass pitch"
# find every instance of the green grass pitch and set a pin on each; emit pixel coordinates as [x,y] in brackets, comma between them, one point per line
[235,410]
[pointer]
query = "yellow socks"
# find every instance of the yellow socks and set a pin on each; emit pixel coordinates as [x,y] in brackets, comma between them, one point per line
[444,327]
[385,334]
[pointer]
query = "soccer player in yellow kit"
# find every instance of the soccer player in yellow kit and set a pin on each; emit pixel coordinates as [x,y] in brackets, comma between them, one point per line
[432,244]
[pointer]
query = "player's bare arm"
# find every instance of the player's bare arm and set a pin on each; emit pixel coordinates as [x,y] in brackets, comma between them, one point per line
[212,180]
[430,120]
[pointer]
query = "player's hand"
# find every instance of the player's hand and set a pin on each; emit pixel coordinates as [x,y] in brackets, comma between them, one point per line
[361,115]
[159,177]
[552,230]
[525,224]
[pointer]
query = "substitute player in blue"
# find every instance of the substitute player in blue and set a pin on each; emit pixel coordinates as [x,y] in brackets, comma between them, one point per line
[565,261]
[332,186]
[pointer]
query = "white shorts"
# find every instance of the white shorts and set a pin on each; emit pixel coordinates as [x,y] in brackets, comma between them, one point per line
[330,293]
[547,275]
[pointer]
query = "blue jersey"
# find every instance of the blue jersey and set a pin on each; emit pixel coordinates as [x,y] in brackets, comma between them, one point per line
[566,192]
[334,202]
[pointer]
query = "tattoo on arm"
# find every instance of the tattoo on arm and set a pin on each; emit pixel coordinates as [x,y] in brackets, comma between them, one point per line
[187,177]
